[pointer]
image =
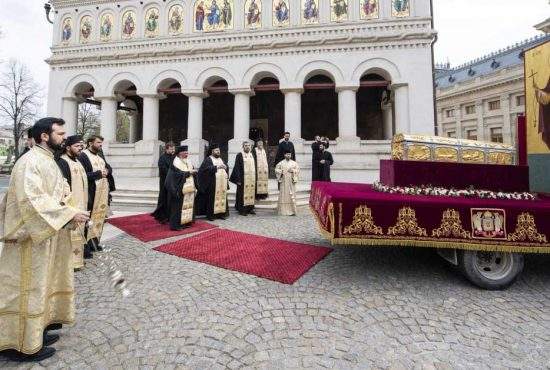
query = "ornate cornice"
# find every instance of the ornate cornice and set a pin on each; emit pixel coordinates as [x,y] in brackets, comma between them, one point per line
[60,4]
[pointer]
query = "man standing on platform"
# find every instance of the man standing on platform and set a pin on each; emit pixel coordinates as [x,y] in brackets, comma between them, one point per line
[97,172]
[180,190]
[262,170]
[213,185]
[284,146]
[36,264]
[287,175]
[161,214]
[244,176]
[322,163]
[75,174]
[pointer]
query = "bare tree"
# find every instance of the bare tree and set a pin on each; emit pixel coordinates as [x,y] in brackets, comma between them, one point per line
[88,120]
[20,99]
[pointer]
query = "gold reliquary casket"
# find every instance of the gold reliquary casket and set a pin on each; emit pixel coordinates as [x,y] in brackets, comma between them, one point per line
[444,149]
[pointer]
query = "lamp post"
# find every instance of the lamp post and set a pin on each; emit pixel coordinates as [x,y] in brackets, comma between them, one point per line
[48,9]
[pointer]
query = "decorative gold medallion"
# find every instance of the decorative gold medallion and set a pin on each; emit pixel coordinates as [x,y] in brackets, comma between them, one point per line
[526,230]
[419,153]
[362,221]
[451,226]
[488,223]
[407,224]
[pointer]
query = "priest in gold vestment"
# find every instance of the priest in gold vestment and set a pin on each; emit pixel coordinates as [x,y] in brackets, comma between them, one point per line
[36,265]
[74,172]
[287,174]
[262,170]
[180,190]
[244,176]
[213,186]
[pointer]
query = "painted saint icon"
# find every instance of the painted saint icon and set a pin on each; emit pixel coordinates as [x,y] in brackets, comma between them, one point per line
[128,24]
[281,13]
[210,16]
[152,22]
[227,14]
[85,29]
[310,12]
[253,14]
[67,30]
[369,9]
[339,11]
[106,27]
[199,16]
[175,19]
[400,8]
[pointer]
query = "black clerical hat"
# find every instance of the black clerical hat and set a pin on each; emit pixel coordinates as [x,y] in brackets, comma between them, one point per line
[286,150]
[71,140]
[182,148]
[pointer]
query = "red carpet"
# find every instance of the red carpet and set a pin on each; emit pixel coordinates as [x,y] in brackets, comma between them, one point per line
[145,228]
[268,258]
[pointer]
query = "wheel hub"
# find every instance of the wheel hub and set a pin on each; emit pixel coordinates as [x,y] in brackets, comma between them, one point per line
[494,265]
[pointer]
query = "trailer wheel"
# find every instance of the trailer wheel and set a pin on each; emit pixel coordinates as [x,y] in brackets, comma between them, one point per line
[491,270]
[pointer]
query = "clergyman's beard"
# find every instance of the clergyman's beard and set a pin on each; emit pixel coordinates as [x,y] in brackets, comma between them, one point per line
[54,147]
[216,155]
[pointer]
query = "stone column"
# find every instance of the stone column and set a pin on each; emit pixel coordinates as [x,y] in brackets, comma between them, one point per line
[150,117]
[194,139]
[506,119]
[480,121]
[134,126]
[347,119]
[109,106]
[458,121]
[241,126]
[70,115]
[293,112]
[387,117]
[402,114]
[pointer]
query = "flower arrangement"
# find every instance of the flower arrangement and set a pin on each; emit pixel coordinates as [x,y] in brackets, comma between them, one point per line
[439,191]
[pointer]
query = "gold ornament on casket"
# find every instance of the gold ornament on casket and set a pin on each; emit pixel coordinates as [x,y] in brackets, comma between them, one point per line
[444,149]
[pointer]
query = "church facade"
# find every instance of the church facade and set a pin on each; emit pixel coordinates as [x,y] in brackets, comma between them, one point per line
[225,71]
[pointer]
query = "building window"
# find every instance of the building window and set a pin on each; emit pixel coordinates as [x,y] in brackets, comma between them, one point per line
[471,134]
[494,105]
[496,135]
[451,134]
[520,101]
[470,109]
[449,113]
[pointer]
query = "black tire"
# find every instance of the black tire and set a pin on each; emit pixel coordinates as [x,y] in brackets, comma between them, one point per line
[490,270]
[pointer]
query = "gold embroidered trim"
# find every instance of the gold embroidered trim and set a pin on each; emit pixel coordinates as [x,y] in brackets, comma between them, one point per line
[526,230]
[451,226]
[362,221]
[407,224]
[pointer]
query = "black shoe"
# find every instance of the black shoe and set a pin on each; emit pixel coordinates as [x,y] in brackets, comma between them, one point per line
[54,327]
[50,339]
[176,228]
[222,217]
[88,253]
[210,218]
[252,212]
[99,248]
[242,213]
[17,356]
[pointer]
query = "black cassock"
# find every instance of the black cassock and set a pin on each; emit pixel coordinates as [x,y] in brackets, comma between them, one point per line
[175,180]
[316,152]
[282,148]
[237,176]
[323,169]
[162,212]
[96,175]
[207,189]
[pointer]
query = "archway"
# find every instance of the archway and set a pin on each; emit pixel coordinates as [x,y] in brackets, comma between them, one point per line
[373,102]
[129,114]
[87,118]
[173,113]
[319,108]
[218,115]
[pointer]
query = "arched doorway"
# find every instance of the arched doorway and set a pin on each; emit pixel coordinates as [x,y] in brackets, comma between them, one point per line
[173,113]
[373,102]
[87,118]
[319,108]
[218,115]
[129,112]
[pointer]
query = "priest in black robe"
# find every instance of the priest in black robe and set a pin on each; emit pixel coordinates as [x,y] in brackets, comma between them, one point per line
[322,163]
[244,176]
[315,153]
[164,163]
[285,146]
[213,185]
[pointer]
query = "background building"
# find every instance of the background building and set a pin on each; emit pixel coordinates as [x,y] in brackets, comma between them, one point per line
[481,100]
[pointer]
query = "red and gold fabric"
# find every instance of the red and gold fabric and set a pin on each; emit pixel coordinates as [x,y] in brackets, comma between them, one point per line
[356,214]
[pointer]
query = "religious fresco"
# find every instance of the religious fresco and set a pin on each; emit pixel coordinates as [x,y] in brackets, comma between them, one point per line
[281,13]
[338,10]
[400,8]
[66,30]
[213,15]
[106,27]
[152,16]
[128,24]
[537,99]
[85,29]
[175,19]
[310,11]
[252,14]
[369,9]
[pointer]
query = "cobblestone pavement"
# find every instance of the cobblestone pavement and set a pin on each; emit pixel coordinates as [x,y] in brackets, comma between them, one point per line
[358,308]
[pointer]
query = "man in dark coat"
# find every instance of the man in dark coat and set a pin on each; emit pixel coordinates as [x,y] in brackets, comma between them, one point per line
[315,156]
[284,146]
[213,186]
[322,163]
[164,163]
[244,176]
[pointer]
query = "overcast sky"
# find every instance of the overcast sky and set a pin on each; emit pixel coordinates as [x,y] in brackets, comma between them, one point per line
[467,29]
